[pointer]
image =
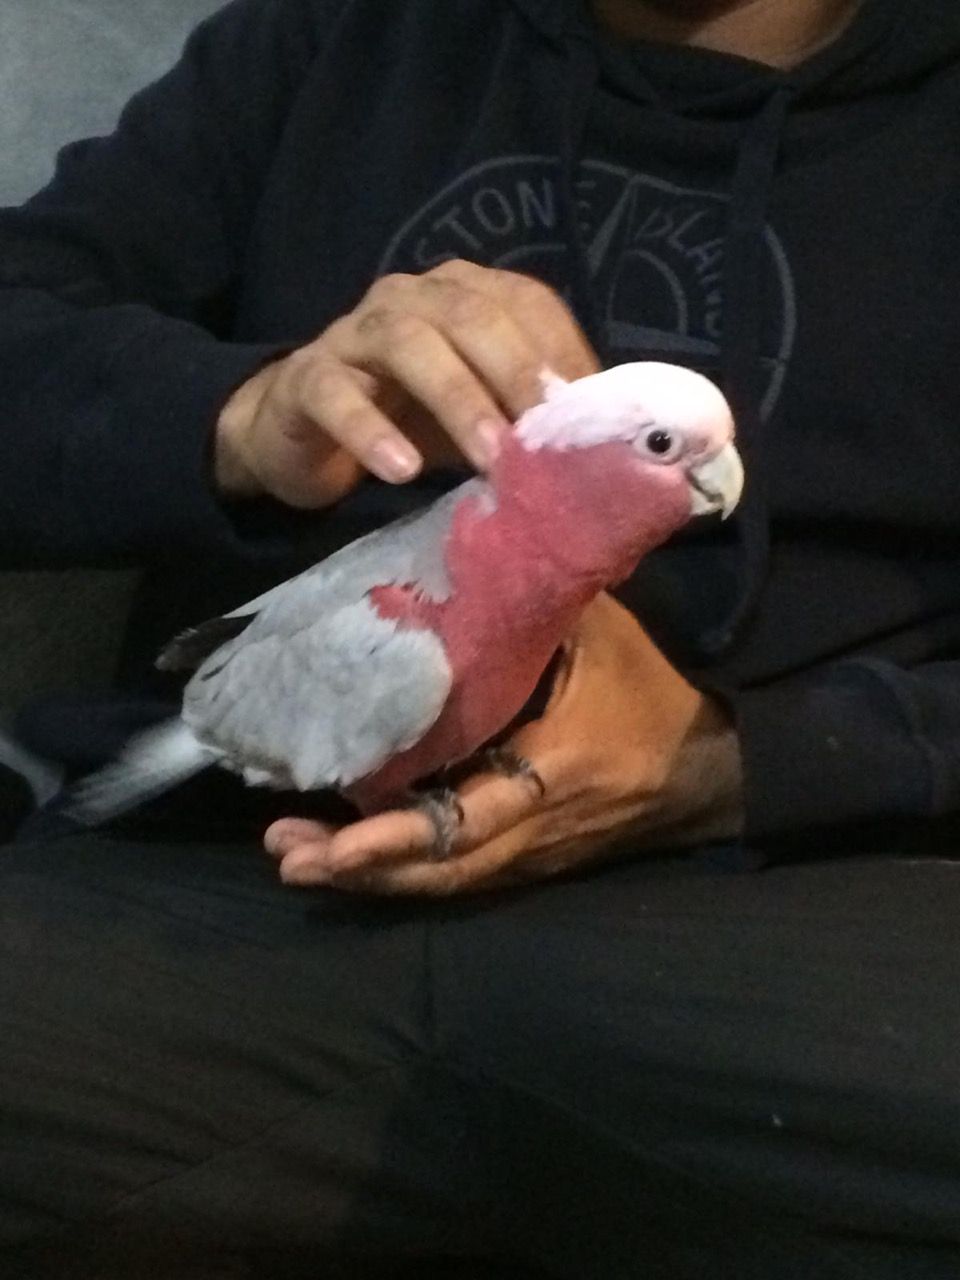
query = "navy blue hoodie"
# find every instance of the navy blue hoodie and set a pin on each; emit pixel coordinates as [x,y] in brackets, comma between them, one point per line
[796,235]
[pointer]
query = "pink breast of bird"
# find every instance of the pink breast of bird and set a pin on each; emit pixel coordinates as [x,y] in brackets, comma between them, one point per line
[516,595]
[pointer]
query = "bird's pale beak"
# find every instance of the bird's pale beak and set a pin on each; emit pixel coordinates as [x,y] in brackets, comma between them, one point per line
[716,485]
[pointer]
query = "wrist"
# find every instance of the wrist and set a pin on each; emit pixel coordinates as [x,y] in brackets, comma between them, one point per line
[232,473]
[708,781]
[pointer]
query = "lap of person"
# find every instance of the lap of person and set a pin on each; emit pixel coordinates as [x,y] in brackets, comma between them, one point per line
[189,1045]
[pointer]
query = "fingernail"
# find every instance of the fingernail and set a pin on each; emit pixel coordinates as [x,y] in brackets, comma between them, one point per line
[283,836]
[303,873]
[488,436]
[394,461]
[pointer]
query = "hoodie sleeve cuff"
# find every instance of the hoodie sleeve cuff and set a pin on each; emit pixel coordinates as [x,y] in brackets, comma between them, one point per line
[829,752]
[140,470]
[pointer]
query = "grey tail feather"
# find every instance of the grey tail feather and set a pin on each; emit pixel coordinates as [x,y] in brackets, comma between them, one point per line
[150,763]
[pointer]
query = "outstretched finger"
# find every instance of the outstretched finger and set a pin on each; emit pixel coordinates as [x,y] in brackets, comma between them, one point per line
[491,805]
[422,360]
[497,863]
[329,397]
[291,833]
[458,356]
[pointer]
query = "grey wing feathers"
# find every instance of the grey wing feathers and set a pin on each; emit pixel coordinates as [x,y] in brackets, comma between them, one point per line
[186,651]
[318,690]
[408,550]
[324,706]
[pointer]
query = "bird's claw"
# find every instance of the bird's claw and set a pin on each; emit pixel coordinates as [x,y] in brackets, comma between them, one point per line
[511,765]
[445,814]
[444,811]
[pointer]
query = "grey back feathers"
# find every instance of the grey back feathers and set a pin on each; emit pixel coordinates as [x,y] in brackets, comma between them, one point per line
[305,686]
[408,550]
[321,706]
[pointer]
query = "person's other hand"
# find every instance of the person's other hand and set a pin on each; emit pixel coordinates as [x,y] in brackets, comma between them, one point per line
[426,370]
[631,756]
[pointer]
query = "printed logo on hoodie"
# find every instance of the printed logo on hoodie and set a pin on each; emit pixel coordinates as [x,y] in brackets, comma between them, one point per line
[654,254]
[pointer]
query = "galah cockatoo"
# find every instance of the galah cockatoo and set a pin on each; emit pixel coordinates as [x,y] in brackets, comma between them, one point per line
[414,646]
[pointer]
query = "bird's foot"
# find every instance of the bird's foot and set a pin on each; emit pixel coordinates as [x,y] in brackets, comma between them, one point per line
[511,765]
[445,813]
[443,808]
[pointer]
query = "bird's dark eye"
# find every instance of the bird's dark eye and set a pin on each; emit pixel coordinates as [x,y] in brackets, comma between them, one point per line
[663,443]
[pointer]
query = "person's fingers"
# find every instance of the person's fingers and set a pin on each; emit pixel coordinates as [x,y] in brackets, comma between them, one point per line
[411,870]
[491,865]
[507,355]
[291,833]
[385,837]
[463,346]
[453,348]
[501,332]
[324,395]
[491,804]
[563,345]
[416,353]
[537,310]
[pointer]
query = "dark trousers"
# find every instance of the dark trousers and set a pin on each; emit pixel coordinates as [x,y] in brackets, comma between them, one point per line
[660,1070]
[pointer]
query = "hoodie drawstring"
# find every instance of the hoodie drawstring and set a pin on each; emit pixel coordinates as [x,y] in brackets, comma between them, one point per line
[581,72]
[741,350]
